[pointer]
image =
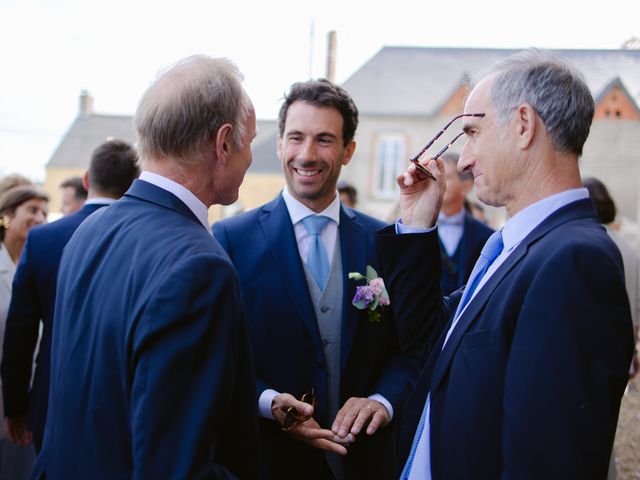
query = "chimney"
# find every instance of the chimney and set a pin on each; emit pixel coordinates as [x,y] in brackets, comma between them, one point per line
[331,56]
[86,103]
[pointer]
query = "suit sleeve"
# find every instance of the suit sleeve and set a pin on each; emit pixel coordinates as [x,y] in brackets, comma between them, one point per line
[220,232]
[567,368]
[411,268]
[192,395]
[21,337]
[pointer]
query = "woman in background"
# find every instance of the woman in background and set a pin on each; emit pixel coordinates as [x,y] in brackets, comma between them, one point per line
[22,207]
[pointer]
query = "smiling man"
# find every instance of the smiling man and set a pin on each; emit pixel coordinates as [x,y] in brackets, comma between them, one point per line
[306,335]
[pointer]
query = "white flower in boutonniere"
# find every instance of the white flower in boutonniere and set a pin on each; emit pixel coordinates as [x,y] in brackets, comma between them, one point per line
[371,296]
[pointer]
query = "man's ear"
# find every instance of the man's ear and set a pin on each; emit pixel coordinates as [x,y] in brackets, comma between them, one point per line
[526,125]
[348,152]
[223,142]
[279,146]
[85,180]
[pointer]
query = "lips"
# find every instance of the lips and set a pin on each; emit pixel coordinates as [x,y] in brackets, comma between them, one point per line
[307,172]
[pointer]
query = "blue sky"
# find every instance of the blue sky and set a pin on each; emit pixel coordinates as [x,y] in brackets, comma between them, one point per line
[53,49]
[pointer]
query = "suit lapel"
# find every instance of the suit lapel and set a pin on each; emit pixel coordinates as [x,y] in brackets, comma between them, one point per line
[353,244]
[278,230]
[580,209]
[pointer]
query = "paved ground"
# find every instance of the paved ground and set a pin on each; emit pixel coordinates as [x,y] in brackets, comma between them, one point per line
[627,442]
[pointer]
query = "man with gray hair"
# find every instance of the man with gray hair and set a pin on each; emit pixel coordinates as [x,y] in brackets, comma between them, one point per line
[150,358]
[526,363]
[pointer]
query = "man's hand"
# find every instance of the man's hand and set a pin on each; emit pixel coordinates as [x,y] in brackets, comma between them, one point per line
[17,430]
[309,431]
[358,412]
[421,196]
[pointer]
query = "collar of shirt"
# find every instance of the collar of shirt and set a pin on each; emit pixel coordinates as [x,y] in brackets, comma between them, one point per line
[523,222]
[298,211]
[198,208]
[455,219]
[450,230]
[100,200]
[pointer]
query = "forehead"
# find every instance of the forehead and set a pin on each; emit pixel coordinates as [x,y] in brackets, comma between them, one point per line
[34,202]
[304,117]
[479,100]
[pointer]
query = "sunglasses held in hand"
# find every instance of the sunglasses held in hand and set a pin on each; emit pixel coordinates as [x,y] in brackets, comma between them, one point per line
[415,160]
[293,418]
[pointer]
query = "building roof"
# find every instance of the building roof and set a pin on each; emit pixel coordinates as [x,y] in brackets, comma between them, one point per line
[85,134]
[89,130]
[419,80]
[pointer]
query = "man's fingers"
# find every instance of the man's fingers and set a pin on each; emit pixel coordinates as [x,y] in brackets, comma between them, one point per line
[329,446]
[379,420]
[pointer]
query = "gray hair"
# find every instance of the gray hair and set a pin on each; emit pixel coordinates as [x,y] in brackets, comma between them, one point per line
[556,91]
[181,112]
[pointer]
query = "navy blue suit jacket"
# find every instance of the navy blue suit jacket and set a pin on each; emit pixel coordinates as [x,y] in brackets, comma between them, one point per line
[529,383]
[474,235]
[150,356]
[286,341]
[32,301]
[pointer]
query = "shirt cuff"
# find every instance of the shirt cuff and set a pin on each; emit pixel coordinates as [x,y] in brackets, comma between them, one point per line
[402,228]
[264,403]
[379,398]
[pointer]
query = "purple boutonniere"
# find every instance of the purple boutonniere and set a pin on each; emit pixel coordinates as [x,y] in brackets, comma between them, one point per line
[371,296]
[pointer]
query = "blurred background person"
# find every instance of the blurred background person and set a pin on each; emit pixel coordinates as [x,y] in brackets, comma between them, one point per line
[74,194]
[606,209]
[348,194]
[112,169]
[461,235]
[22,207]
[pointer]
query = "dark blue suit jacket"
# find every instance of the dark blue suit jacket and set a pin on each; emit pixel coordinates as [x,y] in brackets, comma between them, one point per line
[32,301]
[287,345]
[150,357]
[474,235]
[529,384]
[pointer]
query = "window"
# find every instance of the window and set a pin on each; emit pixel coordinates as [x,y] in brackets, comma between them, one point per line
[391,159]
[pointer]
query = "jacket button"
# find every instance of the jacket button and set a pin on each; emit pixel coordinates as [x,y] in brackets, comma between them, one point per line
[324,309]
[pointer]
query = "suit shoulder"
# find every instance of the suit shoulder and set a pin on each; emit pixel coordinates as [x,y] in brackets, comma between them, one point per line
[240,221]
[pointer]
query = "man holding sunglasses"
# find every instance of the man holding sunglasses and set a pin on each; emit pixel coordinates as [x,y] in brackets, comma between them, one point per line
[526,365]
[309,341]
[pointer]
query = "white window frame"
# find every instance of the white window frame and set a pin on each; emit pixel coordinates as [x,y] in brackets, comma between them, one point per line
[389,159]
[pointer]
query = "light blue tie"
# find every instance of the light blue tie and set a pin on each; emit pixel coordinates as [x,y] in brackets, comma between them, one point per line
[489,253]
[317,260]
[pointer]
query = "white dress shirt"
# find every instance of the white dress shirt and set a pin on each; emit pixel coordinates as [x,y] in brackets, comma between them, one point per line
[198,208]
[514,231]
[450,230]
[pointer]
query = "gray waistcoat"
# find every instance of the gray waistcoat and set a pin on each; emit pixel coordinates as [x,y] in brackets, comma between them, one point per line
[328,308]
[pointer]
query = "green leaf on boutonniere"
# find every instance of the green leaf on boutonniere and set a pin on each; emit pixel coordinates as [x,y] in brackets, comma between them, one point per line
[371,273]
[374,316]
[357,276]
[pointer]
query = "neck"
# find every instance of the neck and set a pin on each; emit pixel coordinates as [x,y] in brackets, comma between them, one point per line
[317,205]
[558,174]
[451,208]
[14,246]
[194,177]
